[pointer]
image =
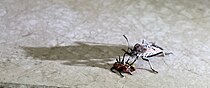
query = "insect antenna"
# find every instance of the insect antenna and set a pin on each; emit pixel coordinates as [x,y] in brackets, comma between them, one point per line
[127,41]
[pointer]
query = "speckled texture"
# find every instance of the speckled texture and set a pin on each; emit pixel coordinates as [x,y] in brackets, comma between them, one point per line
[72,43]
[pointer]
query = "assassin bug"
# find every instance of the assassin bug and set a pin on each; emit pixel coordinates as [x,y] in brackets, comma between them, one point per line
[145,50]
[122,67]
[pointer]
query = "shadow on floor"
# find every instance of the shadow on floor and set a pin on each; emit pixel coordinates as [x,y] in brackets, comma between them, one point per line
[94,55]
[21,85]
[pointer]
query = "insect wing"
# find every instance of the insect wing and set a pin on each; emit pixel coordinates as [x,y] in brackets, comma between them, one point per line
[152,51]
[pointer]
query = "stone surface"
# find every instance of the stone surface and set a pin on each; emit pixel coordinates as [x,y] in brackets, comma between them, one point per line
[73,43]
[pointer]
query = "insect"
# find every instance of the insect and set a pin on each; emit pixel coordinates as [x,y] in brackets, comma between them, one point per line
[145,50]
[122,67]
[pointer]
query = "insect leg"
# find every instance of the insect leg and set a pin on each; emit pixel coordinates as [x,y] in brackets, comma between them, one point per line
[119,59]
[157,54]
[127,41]
[127,60]
[164,54]
[112,69]
[129,73]
[134,60]
[121,74]
[150,65]
[168,53]
[126,52]
[157,46]
[123,59]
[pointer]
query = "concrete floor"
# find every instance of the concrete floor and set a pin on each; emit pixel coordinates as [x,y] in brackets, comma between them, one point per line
[73,43]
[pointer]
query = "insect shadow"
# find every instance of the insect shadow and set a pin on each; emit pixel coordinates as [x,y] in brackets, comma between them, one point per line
[81,54]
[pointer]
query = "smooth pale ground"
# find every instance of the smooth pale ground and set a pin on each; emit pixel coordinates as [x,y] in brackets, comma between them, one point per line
[72,43]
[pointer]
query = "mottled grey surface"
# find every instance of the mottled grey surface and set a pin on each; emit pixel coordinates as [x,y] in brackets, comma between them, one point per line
[72,43]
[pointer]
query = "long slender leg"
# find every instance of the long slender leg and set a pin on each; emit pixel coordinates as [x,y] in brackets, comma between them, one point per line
[129,73]
[127,61]
[157,54]
[150,65]
[124,53]
[157,46]
[121,74]
[164,54]
[152,68]
[122,60]
[134,60]
[119,59]
[128,58]
[168,53]
[112,69]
